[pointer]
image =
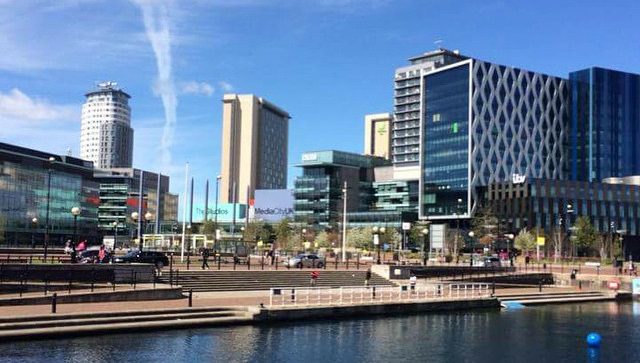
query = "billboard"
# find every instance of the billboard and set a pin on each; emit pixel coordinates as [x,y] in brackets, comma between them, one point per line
[273,205]
[224,211]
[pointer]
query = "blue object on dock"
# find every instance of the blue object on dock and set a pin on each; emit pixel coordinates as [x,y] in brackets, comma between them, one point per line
[512,305]
[594,340]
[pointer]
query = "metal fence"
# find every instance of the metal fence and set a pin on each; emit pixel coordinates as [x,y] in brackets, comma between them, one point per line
[347,295]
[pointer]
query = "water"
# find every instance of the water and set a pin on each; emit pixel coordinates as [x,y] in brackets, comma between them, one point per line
[554,333]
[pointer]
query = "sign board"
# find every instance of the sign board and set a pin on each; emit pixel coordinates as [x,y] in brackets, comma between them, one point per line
[376,239]
[518,179]
[224,212]
[437,235]
[397,271]
[309,157]
[593,264]
[273,205]
[540,241]
[635,286]
[406,226]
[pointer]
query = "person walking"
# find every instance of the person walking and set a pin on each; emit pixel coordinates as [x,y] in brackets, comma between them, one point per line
[102,254]
[412,282]
[367,277]
[205,257]
[314,278]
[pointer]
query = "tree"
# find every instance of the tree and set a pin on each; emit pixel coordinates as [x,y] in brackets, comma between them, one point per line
[283,233]
[361,238]
[391,236]
[322,239]
[586,235]
[484,222]
[209,227]
[525,241]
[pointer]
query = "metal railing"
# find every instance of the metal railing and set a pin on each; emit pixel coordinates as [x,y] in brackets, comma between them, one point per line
[348,295]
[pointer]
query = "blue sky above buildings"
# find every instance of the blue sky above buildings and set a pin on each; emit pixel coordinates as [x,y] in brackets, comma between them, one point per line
[327,62]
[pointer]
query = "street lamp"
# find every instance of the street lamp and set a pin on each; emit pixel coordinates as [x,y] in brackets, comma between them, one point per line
[115,235]
[425,251]
[75,211]
[215,214]
[377,231]
[510,238]
[303,233]
[34,221]
[471,234]
[46,227]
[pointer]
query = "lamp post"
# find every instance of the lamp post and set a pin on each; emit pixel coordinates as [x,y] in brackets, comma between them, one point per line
[568,223]
[377,231]
[471,234]
[46,227]
[75,211]
[215,214]
[135,217]
[303,233]
[344,221]
[34,222]
[188,245]
[510,237]
[147,218]
[115,235]
[425,251]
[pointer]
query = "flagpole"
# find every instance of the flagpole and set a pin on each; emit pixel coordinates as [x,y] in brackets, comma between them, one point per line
[184,209]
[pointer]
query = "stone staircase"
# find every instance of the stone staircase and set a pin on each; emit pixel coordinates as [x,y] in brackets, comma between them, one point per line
[208,280]
[554,297]
[64,325]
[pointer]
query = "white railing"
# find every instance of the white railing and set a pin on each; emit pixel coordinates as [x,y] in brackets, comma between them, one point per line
[347,295]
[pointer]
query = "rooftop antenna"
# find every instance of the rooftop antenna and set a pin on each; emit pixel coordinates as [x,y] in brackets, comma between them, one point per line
[438,43]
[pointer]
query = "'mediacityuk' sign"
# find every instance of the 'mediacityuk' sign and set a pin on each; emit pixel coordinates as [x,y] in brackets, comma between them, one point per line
[273,205]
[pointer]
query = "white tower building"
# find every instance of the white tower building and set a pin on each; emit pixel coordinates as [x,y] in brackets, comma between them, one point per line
[106,136]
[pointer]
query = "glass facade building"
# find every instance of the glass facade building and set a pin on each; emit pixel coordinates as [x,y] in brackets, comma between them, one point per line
[605,124]
[318,192]
[29,181]
[484,123]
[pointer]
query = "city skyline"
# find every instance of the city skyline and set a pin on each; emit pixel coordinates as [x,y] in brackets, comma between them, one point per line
[346,63]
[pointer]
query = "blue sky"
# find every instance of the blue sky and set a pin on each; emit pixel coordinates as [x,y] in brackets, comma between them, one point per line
[327,62]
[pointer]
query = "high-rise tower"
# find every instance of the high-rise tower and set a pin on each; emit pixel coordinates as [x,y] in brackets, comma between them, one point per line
[255,136]
[106,136]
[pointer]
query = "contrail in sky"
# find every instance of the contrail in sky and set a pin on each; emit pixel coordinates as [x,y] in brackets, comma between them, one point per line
[156,23]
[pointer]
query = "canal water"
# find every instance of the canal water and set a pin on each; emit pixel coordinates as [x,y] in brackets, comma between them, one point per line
[553,333]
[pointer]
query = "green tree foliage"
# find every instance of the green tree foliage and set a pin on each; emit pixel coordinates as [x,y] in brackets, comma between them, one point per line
[525,241]
[322,239]
[208,228]
[283,233]
[484,222]
[585,234]
[361,238]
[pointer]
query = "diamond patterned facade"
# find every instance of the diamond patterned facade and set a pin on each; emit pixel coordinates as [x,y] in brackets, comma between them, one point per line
[518,125]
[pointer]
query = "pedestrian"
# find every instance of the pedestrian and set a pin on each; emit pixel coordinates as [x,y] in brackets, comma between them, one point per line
[205,257]
[412,281]
[74,253]
[102,253]
[367,277]
[314,278]
[527,259]
[82,246]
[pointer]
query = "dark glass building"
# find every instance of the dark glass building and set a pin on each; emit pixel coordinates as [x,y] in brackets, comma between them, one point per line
[29,182]
[605,124]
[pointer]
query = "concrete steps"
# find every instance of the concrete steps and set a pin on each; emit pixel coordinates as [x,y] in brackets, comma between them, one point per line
[554,297]
[211,280]
[48,326]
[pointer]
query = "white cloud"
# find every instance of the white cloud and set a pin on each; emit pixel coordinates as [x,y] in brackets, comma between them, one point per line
[197,88]
[227,87]
[15,105]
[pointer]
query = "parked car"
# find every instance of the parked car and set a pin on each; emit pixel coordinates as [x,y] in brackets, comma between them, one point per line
[491,262]
[158,259]
[305,260]
[90,255]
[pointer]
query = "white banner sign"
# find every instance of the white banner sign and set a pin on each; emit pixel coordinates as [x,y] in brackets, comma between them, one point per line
[437,234]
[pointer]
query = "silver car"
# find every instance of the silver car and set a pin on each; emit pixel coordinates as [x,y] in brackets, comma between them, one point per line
[305,260]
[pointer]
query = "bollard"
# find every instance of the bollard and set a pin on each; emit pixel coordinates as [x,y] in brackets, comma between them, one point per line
[325,263]
[358,262]
[219,261]
[276,259]
[579,285]
[540,286]
[262,262]
[493,288]
[235,262]
[54,302]
[336,260]
[347,263]
[293,294]
[190,297]
[249,262]
[373,292]
[188,260]
[135,279]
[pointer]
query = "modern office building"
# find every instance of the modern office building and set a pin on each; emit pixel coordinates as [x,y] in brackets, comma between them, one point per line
[106,136]
[408,99]
[120,196]
[605,124]
[255,135]
[484,123]
[36,186]
[318,192]
[377,135]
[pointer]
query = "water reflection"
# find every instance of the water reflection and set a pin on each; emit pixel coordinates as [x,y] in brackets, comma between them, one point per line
[550,333]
